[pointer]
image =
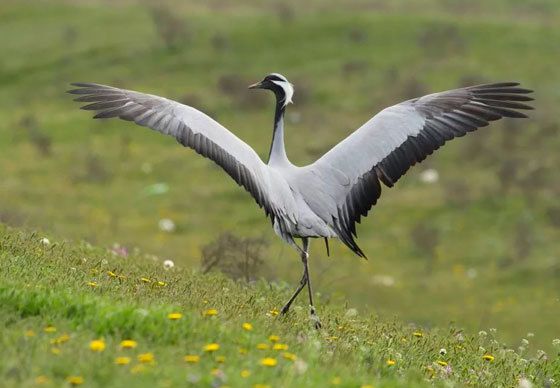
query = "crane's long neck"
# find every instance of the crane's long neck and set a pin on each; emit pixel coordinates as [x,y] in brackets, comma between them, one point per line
[277,154]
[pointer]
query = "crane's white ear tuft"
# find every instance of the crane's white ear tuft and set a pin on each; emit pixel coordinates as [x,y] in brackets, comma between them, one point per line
[288,91]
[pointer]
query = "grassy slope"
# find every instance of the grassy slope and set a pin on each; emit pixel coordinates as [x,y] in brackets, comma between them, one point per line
[119,45]
[47,285]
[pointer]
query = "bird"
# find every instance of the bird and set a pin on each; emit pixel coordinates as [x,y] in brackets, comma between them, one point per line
[324,199]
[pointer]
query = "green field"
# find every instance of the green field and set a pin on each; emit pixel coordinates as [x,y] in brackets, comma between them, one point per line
[478,249]
[66,308]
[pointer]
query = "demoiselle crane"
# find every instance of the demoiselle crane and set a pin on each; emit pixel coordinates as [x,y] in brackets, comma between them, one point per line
[328,197]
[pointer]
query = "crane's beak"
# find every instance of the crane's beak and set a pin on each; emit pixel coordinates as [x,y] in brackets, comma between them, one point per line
[256,85]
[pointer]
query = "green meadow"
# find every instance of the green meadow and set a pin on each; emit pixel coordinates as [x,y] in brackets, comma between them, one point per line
[475,250]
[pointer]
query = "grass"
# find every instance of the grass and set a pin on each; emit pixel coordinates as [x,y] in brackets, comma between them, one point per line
[494,261]
[66,307]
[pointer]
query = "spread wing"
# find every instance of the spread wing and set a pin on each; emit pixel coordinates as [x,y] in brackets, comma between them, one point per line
[385,147]
[189,126]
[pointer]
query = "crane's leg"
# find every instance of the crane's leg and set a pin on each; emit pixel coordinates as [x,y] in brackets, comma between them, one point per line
[313,313]
[304,277]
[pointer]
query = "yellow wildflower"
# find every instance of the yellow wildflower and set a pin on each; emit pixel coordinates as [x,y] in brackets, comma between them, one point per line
[146,358]
[55,351]
[211,347]
[247,326]
[274,312]
[269,361]
[442,363]
[29,333]
[92,284]
[121,277]
[174,316]
[42,379]
[366,386]
[332,338]
[75,380]
[274,338]
[391,362]
[161,284]
[145,280]
[137,369]
[191,358]
[279,346]
[122,360]
[50,329]
[243,351]
[289,356]
[210,312]
[336,381]
[488,357]
[97,345]
[60,340]
[245,373]
[263,346]
[418,334]
[220,359]
[111,274]
[128,344]
[215,372]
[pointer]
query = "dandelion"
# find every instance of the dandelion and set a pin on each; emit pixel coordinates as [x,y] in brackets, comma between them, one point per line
[122,360]
[274,338]
[146,358]
[29,333]
[128,344]
[279,346]
[274,312]
[331,338]
[220,359]
[92,284]
[50,329]
[391,362]
[289,356]
[161,284]
[75,380]
[42,379]
[145,280]
[336,380]
[247,326]
[97,345]
[269,361]
[442,363]
[111,274]
[488,357]
[245,373]
[174,316]
[191,358]
[242,351]
[211,347]
[60,340]
[263,346]
[137,369]
[168,264]
[210,312]
[418,334]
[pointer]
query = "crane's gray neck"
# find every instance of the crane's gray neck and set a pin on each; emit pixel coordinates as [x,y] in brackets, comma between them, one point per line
[277,154]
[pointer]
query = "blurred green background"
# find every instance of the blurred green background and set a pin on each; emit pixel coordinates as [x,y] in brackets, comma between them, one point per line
[478,246]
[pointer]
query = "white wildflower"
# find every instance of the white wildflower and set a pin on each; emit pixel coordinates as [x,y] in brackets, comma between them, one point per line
[383,280]
[300,366]
[429,176]
[442,351]
[166,225]
[525,383]
[168,264]
[45,241]
[556,342]
[529,335]
[525,341]
[482,333]
[350,313]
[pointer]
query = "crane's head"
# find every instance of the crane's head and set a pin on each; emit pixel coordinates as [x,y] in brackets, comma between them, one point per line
[279,84]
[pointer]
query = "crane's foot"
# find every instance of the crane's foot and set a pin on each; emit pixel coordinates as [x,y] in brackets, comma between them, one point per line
[314,318]
[285,309]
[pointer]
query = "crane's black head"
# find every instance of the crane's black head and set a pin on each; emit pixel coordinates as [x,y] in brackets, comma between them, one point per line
[279,84]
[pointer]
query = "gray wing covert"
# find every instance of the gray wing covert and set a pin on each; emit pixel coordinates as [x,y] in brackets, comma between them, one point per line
[385,147]
[190,127]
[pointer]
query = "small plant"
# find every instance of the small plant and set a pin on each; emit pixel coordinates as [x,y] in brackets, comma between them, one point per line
[237,257]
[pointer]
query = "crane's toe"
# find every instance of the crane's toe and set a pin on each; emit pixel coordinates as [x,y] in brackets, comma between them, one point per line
[314,318]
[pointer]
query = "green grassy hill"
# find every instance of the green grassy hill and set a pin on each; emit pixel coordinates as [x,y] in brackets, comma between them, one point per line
[65,309]
[479,247]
